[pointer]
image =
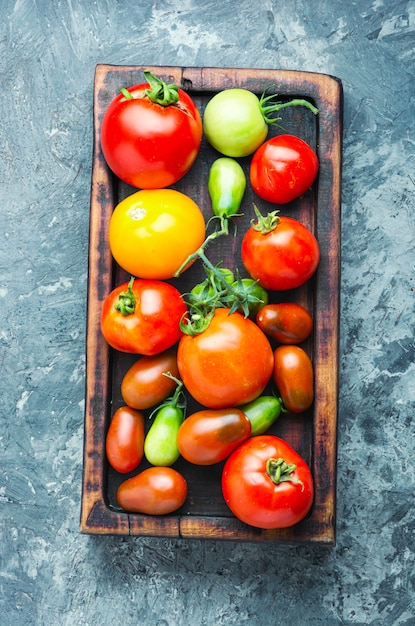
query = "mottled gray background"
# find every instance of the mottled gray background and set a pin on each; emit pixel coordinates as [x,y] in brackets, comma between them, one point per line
[52,575]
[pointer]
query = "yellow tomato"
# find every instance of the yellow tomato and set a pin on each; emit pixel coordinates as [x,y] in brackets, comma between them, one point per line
[153,231]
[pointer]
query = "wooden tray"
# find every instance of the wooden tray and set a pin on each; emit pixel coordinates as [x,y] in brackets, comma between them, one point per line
[314,434]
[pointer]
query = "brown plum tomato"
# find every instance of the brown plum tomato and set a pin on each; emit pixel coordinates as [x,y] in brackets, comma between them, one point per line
[145,383]
[267,484]
[155,491]
[286,322]
[143,317]
[124,444]
[282,257]
[228,364]
[210,435]
[294,377]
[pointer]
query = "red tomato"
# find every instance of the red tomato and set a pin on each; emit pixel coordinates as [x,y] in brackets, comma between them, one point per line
[145,384]
[143,317]
[148,144]
[146,232]
[155,491]
[282,257]
[267,484]
[293,374]
[210,435]
[286,322]
[228,364]
[283,168]
[124,443]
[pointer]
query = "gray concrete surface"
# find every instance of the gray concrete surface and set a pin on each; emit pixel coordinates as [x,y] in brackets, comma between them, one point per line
[50,574]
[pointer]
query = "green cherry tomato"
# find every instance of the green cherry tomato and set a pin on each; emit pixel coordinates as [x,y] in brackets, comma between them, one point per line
[262,413]
[257,296]
[226,186]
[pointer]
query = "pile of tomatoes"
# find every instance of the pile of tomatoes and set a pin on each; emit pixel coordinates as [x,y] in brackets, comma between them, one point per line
[222,343]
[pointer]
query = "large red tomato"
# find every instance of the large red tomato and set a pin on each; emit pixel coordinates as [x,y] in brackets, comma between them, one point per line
[143,317]
[280,252]
[267,484]
[228,364]
[283,168]
[151,134]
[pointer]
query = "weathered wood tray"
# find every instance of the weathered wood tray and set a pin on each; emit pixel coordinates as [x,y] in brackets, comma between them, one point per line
[313,434]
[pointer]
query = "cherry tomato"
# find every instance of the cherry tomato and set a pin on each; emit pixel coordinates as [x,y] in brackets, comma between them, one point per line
[155,491]
[150,137]
[228,364]
[286,322]
[280,252]
[283,168]
[143,317]
[124,443]
[267,484]
[145,384]
[294,378]
[210,435]
[146,232]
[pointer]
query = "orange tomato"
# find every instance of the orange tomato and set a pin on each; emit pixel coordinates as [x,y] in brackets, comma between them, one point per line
[228,364]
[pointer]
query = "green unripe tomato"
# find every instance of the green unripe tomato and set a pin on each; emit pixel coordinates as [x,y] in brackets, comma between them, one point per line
[262,413]
[234,123]
[226,186]
[160,445]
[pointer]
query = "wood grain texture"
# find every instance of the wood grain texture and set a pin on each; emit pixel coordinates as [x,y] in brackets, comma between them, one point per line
[313,434]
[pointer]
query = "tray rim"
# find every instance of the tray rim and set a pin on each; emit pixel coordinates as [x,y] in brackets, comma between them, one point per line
[96,516]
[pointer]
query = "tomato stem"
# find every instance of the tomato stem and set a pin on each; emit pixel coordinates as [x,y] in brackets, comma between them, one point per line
[268,105]
[126,301]
[199,253]
[160,92]
[265,223]
[279,471]
[177,400]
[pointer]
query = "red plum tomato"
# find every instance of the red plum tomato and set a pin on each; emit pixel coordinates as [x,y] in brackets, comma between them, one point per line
[267,484]
[154,491]
[283,168]
[228,364]
[145,383]
[210,435]
[294,377]
[286,322]
[143,317]
[124,442]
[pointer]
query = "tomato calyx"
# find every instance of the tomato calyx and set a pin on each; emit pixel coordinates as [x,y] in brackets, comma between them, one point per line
[220,290]
[265,223]
[126,301]
[279,471]
[269,105]
[160,92]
